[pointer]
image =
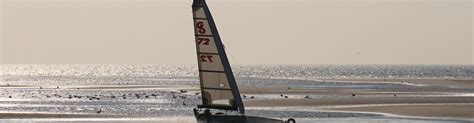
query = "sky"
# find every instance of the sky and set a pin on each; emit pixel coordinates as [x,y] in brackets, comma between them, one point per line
[253,31]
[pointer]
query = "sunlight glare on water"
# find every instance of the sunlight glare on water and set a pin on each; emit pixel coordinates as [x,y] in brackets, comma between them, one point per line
[153,91]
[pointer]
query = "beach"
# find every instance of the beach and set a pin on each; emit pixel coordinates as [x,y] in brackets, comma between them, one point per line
[402,103]
[393,103]
[129,96]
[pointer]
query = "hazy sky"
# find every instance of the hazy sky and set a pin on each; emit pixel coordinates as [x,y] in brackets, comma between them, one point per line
[253,31]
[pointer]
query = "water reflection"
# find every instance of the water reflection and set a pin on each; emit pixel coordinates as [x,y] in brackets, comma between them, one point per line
[192,120]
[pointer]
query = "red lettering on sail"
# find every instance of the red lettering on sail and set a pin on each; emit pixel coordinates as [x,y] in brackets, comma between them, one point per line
[200,27]
[203,41]
[206,58]
[210,58]
[203,58]
[206,41]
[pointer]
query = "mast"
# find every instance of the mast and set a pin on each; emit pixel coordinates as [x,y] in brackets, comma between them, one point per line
[218,86]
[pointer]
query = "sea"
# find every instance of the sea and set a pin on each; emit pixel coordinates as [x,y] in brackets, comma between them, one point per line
[153,93]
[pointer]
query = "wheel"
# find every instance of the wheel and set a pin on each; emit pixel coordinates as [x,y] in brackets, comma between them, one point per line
[291,120]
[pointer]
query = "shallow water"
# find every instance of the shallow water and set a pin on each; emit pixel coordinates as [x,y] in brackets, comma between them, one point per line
[150,72]
[192,120]
[53,89]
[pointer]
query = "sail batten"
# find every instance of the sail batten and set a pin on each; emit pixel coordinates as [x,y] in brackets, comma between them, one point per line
[217,81]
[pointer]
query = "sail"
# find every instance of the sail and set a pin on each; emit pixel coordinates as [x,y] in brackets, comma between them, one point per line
[218,86]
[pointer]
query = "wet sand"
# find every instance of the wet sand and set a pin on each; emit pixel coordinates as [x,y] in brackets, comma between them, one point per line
[356,101]
[417,104]
[414,104]
[52,115]
[464,111]
[423,82]
[457,107]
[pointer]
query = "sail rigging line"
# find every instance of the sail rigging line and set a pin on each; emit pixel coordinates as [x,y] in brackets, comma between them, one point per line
[248,81]
[218,85]
[219,89]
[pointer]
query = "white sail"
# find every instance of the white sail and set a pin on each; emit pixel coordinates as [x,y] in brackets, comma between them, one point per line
[218,87]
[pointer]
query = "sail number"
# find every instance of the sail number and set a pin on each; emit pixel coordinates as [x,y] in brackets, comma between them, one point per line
[205,58]
[200,27]
[203,41]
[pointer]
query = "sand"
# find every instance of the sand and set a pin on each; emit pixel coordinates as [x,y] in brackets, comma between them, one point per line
[464,111]
[424,82]
[426,107]
[355,101]
[51,115]
[416,104]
